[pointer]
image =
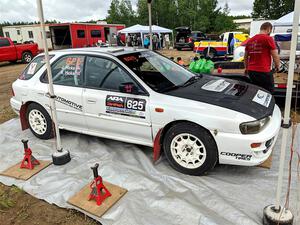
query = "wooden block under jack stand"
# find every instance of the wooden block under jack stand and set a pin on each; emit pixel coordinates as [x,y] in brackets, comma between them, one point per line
[80,199]
[24,174]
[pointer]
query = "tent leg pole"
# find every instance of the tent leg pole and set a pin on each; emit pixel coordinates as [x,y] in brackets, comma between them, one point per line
[61,156]
[150,25]
[275,214]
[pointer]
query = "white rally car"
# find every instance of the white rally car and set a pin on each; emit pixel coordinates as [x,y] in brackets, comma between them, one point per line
[141,97]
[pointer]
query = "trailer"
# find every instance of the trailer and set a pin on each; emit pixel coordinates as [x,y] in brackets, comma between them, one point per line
[220,47]
[31,33]
[78,35]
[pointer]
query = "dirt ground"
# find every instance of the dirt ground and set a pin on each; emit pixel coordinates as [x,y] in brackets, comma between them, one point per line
[18,207]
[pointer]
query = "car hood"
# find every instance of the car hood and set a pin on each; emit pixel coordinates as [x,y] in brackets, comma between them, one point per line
[231,94]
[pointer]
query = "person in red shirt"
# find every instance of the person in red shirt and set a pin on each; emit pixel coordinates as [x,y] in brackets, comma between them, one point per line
[259,52]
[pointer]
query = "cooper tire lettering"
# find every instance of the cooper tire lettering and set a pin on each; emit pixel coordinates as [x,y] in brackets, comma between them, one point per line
[237,155]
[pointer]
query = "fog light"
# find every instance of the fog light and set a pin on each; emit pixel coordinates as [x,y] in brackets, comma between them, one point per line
[255,145]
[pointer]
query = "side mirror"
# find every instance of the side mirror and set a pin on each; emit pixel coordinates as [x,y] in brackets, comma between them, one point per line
[129,88]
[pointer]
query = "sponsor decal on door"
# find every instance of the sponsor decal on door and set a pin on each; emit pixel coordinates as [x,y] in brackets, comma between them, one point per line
[134,107]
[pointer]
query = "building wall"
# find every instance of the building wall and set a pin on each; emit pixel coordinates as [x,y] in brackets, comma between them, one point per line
[243,23]
[255,26]
[24,34]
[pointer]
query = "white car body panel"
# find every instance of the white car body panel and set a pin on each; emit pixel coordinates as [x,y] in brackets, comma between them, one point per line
[221,122]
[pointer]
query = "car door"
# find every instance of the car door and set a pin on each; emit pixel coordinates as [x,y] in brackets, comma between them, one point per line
[7,51]
[111,107]
[67,73]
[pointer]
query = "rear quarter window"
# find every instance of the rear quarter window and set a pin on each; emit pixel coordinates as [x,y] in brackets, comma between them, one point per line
[33,67]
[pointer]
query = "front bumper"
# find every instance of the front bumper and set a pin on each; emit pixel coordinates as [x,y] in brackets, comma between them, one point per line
[184,45]
[15,105]
[236,148]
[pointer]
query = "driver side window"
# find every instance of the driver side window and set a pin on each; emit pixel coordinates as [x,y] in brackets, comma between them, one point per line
[105,74]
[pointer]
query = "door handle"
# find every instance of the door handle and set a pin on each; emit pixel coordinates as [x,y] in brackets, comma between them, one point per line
[91,101]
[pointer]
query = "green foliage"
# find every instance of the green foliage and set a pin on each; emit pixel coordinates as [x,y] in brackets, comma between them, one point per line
[272,9]
[121,12]
[201,15]
[223,21]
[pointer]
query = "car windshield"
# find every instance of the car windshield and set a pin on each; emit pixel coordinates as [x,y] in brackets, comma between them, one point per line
[158,72]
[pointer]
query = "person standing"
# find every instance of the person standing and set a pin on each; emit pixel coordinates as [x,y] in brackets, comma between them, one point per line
[146,42]
[128,40]
[232,45]
[259,52]
[154,41]
[162,44]
[167,40]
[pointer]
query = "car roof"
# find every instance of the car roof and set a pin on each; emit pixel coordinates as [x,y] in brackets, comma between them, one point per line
[116,51]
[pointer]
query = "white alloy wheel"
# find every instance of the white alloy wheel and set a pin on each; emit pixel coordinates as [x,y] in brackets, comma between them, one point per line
[37,121]
[188,151]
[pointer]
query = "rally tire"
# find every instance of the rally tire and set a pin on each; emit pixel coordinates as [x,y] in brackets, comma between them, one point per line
[204,150]
[212,53]
[39,121]
[26,57]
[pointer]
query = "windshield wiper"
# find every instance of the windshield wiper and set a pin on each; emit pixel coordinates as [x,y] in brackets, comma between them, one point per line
[169,88]
[191,80]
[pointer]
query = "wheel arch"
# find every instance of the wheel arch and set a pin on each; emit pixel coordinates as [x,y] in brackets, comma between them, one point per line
[211,49]
[23,112]
[25,51]
[157,147]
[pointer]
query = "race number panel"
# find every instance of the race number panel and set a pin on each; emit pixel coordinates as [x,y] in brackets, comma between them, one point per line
[134,107]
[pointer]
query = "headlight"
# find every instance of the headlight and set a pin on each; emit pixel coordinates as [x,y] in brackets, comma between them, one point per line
[254,127]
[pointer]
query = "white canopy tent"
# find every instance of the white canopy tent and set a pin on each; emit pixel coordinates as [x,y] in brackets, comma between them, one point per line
[145,30]
[286,20]
[284,24]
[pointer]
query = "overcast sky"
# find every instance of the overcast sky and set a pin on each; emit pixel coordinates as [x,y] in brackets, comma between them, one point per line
[82,10]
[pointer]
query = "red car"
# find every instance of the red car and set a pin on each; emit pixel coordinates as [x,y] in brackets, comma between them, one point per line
[11,52]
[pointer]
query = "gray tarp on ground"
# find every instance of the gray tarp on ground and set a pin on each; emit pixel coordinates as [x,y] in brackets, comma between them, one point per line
[157,194]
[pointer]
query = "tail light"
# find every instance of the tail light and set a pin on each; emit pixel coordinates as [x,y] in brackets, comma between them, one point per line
[12,92]
[283,86]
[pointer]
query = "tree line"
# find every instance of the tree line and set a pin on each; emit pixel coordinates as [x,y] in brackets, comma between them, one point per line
[202,15]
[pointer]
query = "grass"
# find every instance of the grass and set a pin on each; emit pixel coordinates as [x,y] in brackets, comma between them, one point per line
[6,114]
[7,198]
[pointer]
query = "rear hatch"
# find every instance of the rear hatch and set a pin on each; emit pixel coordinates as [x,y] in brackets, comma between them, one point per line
[183,34]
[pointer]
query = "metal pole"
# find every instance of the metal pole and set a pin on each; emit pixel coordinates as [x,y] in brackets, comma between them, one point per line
[49,73]
[288,99]
[150,24]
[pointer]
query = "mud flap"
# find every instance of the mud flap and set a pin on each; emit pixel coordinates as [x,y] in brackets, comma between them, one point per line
[157,146]
[23,119]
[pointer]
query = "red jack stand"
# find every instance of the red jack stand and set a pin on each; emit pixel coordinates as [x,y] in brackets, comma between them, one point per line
[99,191]
[29,161]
